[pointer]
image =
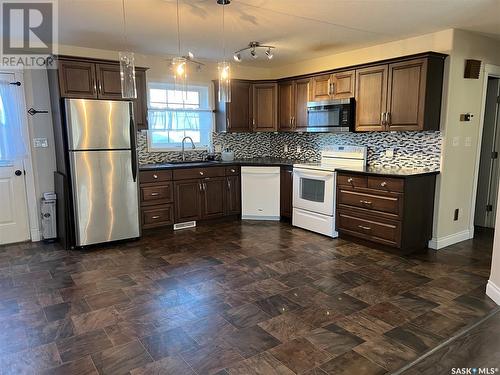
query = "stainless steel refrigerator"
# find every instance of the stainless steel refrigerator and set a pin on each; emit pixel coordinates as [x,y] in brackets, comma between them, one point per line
[103,164]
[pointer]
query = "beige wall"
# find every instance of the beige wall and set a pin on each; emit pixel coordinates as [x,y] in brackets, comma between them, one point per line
[461,139]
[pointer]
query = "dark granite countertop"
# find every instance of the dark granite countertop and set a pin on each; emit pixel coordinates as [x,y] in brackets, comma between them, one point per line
[390,172]
[243,162]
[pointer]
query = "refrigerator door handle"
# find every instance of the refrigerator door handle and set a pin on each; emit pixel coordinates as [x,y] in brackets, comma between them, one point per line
[133,149]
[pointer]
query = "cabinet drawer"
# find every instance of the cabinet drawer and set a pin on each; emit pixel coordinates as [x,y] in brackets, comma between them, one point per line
[154,176]
[351,180]
[386,184]
[390,202]
[190,173]
[157,216]
[375,229]
[233,170]
[157,193]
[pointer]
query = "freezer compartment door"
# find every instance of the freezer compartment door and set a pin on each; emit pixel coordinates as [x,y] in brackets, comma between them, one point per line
[98,124]
[105,196]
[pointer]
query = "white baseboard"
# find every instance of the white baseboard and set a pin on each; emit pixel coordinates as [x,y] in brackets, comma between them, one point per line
[493,292]
[438,243]
[35,235]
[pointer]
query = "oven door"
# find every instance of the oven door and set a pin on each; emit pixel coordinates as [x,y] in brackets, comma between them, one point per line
[314,190]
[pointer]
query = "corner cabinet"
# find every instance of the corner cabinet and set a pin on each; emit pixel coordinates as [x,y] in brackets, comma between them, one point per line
[82,78]
[402,96]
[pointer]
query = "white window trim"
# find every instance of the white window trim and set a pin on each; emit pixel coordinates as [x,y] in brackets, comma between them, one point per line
[167,85]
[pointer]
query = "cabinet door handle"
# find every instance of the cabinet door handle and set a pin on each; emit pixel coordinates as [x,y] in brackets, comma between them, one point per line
[155,194]
[365,202]
[228,123]
[333,88]
[204,187]
[229,184]
[233,170]
[155,176]
[201,173]
[201,188]
[364,228]
[388,118]
[383,184]
[382,118]
[155,217]
[349,180]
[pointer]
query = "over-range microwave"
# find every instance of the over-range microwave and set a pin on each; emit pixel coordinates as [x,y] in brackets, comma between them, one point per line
[331,116]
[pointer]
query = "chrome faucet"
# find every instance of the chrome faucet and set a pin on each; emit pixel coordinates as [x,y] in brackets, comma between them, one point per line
[192,144]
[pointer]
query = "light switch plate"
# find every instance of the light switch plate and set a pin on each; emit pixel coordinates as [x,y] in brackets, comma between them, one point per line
[389,153]
[218,148]
[299,149]
[40,143]
[285,148]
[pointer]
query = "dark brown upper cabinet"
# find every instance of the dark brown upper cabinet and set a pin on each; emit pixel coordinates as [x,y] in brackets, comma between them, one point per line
[82,78]
[265,104]
[109,85]
[286,105]
[371,98]
[292,104]
[333,86]
[236,115]
[343,84]
[401,96]
[77,79]
[140,105]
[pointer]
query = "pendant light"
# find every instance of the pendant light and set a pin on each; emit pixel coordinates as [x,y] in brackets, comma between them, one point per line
[179,65]
[223,67]
[127,65]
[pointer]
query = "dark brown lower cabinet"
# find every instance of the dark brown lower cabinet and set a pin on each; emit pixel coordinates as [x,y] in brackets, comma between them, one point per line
[393,211]
[213,196]
[286,192]
[233,196]
[187,200]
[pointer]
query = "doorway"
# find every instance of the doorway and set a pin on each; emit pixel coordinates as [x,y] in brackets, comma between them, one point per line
[489,163]
[14,218]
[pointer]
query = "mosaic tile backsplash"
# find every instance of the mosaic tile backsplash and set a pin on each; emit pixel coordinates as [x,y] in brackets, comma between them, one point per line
[411,149]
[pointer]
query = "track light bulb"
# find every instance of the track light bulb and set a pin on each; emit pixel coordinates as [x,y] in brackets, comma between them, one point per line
[237,57]
[253,54]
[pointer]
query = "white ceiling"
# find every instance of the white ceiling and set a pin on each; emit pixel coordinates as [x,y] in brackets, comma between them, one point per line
[300,29]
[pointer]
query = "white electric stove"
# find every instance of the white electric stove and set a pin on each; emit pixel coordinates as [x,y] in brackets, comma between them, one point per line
[314,187]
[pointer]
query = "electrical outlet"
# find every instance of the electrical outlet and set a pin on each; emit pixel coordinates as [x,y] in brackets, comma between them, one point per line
[218,148]
[389,152]
[285,148]
[299,149]
[40,143]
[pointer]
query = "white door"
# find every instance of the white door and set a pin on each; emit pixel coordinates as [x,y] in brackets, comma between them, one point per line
[13,205]
[13,211]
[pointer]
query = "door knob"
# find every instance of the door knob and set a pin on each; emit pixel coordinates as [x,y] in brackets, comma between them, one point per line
[18,173]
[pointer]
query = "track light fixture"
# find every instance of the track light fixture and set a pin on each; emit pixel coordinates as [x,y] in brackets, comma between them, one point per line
[253,46]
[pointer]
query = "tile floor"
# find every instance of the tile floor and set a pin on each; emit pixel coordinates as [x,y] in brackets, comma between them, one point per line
[233,298]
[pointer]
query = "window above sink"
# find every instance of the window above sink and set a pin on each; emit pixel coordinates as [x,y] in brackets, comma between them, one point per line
[173,117]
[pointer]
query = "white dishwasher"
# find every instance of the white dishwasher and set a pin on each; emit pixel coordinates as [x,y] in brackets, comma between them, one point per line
[260,193]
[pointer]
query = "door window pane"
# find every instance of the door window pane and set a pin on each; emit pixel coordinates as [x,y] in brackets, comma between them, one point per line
[312,189]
